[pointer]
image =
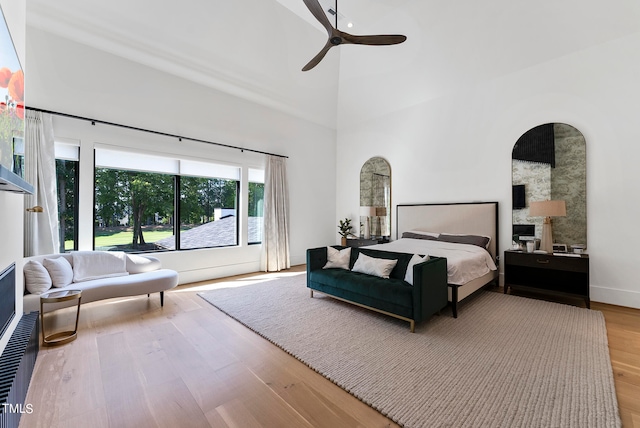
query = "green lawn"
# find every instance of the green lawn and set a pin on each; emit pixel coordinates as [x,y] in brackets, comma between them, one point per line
[110,238]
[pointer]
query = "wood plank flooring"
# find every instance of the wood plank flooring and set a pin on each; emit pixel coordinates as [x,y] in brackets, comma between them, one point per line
[136,364]
[623,331]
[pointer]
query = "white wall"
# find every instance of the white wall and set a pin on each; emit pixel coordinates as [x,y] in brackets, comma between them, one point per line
[11,205]
[457,148]
[72,78]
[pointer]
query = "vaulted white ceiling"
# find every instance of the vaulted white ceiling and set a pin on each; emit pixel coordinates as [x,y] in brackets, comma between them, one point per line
[256,48]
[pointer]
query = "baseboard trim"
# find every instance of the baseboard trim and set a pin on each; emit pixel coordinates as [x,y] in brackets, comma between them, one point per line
[197,275]
[615,296]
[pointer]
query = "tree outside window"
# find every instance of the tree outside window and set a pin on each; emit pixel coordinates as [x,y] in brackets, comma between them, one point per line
[256,210]
[208,212]
[133,209]
[67,186]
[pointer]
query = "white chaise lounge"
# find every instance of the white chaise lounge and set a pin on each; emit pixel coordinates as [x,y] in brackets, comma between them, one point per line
[136,275]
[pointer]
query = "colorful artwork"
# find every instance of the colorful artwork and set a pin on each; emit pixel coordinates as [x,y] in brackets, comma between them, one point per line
[11,96]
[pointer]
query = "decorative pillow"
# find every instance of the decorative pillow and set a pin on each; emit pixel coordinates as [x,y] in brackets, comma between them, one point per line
[88,265]
[480,241]
[414,235]
[416,259]
[36,277]
[374,266]
[141,264]
[338,259]
[60,271]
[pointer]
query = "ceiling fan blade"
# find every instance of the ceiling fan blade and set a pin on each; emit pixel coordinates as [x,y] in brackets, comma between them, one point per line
[316,10]
[337,37]
[380,40]
[316,59]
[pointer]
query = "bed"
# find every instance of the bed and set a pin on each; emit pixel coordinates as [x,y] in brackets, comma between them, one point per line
[446,230]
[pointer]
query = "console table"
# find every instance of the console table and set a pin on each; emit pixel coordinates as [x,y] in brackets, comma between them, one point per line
[558,274]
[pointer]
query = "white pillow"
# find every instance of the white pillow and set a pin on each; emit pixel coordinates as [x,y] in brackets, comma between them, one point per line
[36,277]
[89,265]
[338,259]
[374,266]
[60,271]
[416,259]
[141,264]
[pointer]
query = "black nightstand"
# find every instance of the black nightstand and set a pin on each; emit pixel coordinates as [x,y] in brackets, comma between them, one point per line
[361,242]
[563,275]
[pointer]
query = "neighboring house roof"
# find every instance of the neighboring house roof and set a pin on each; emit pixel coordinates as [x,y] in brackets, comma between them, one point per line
[217,233]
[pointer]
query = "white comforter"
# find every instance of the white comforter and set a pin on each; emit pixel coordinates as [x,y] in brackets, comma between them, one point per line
[464,262]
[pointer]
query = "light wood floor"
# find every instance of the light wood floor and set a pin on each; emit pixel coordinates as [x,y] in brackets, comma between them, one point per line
[136,364]
[623,331]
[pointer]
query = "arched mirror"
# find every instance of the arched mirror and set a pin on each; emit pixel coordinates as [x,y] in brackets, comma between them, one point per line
[549,178]
[375,199]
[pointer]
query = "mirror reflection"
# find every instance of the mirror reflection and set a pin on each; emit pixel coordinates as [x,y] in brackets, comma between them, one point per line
[375,199]
[549,164]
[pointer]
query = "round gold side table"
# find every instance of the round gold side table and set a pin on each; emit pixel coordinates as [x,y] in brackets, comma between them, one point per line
[57,297]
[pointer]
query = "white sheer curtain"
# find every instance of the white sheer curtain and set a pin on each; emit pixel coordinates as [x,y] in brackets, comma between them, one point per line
[275,241]
[40,229]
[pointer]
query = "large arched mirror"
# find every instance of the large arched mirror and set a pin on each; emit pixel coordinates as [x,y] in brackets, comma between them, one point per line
[375,199]
[549,164]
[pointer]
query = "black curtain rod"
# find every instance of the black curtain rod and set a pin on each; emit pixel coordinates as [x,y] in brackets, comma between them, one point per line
[164,134]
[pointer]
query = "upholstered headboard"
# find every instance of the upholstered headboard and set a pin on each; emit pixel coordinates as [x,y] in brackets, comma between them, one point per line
[473,218]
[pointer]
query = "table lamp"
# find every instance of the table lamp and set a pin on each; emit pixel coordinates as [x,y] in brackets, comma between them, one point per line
[547,209]
[367,212]
[381,213]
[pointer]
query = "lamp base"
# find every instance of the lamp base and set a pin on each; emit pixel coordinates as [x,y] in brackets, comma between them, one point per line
[546,243]
[367,229]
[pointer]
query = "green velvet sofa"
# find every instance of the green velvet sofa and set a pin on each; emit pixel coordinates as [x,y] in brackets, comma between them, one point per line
[393,296]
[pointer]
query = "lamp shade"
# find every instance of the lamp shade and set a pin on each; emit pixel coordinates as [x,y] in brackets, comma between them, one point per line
[367,211]
[547,209]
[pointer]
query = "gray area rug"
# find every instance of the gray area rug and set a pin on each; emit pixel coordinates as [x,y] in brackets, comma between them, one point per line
[507,361]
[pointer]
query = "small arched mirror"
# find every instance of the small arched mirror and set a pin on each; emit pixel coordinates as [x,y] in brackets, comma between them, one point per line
[375,199]
[549,164]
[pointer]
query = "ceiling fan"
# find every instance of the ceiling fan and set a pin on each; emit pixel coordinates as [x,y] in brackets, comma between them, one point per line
[337,37]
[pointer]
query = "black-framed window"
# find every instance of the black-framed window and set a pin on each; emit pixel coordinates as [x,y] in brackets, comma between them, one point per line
[133,210]
[139,197]
[208,212]
[256,206]
[67,159]
[67,186]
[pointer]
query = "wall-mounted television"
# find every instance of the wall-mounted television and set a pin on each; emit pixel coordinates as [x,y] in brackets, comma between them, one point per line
[519,200]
